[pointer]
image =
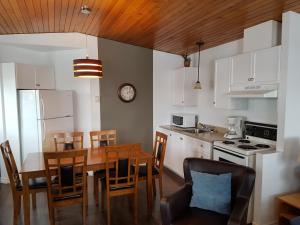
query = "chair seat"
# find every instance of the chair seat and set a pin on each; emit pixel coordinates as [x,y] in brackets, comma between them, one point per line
[35,183]
[143,171]
[201,217]
[100,174]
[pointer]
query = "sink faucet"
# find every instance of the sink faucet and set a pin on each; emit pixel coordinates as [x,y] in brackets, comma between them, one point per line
[202,126]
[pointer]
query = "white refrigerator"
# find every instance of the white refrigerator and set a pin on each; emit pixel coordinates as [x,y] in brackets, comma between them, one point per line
[42,113]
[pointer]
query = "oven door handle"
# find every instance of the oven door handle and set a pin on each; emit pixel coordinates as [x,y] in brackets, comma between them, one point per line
[229,153]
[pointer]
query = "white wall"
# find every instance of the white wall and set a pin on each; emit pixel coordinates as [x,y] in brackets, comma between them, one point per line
[279,173]
[163,66]
[259,110]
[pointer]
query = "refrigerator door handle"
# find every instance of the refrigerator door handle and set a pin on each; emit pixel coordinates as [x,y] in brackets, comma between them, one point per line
[43,108]
[43,131]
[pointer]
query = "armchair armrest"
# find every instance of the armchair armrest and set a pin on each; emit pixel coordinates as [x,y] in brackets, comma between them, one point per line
[239,213]
[175,204]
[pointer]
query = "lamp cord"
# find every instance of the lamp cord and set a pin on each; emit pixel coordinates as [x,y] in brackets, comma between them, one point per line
[198,63]
[86,47]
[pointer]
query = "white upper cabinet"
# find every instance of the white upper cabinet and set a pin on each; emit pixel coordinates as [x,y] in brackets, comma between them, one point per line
[45,78]
[34,77]
[242,69]
[259,67]
[223,69]
[25,76]
[266,65]
[183,93]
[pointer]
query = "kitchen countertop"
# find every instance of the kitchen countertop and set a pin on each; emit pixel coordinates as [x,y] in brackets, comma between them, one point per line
[205,136]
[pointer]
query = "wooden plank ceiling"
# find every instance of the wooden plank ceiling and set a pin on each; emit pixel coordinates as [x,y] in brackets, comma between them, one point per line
[167,25]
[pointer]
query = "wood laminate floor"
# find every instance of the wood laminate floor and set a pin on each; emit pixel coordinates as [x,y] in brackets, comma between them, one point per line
[121,212]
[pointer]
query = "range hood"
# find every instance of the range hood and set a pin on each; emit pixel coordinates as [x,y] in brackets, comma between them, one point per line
[254,91]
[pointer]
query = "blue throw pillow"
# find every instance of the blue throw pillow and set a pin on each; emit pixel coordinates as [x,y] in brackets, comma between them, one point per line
[212,192]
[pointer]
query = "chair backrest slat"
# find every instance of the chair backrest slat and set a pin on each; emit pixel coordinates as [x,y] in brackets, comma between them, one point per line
[66,172]
[11,166]
[68,140]
[159,151]
[125,159]
[103,138]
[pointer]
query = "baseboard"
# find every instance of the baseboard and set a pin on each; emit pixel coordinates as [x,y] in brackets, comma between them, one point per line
[4,180]
[173,175]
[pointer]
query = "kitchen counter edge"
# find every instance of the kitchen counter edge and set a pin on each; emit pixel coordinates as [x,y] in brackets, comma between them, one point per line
[206,136]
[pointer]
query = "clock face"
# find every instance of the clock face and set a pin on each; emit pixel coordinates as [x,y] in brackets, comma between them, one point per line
[127,92]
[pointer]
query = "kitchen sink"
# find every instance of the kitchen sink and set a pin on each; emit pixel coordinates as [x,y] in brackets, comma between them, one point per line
[195,131]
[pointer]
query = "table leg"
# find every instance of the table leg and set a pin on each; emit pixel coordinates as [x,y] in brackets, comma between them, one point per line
[26,199]
[149,186]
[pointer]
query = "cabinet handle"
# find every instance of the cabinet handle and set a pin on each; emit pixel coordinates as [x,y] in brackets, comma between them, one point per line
[214,102]
[38,85]
[250,79]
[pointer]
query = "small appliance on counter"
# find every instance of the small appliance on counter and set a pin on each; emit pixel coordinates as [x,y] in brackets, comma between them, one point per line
[235,127]
[184,120]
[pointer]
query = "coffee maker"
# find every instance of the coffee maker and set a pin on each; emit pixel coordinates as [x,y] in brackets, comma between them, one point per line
[235,127]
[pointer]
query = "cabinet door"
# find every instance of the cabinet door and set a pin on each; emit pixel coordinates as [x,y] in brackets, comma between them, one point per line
[242,69]
[178,87]
[45,78]
[25,75]
[222,83]
[177,151]
[190,94]
[266,65]
[170,152]
[192,148]
[206,150]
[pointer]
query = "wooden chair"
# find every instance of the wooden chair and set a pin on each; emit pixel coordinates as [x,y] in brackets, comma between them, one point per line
[158,156]
[123,179]
[66,141]
[67,179]
[101,138]
[35,185]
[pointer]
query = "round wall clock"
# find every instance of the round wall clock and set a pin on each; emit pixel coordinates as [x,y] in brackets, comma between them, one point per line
[127,92]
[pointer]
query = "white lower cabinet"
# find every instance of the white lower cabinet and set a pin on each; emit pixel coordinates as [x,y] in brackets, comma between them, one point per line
[197,148]
[180,146]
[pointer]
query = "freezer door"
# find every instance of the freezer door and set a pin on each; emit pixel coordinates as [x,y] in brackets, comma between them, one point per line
[54,104]
[50,126]
[28,123]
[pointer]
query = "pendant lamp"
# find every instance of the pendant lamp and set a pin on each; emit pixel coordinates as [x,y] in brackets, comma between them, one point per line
[197,85]
[87,68]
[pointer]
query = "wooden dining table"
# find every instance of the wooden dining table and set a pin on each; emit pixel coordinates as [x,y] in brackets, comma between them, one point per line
[34,167]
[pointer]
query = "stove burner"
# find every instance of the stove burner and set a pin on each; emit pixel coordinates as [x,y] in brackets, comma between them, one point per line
[247,147]
[228,142]
[262,146]
[244,141]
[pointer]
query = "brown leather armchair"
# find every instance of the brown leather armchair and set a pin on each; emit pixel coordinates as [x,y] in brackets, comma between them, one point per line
[175,209]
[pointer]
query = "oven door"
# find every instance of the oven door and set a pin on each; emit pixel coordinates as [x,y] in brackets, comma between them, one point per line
[227,156]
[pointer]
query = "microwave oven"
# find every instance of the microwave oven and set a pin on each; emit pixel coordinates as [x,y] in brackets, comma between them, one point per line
[184,120]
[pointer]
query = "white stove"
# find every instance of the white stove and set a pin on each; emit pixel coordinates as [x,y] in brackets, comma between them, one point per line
[258,137]
[248,146]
